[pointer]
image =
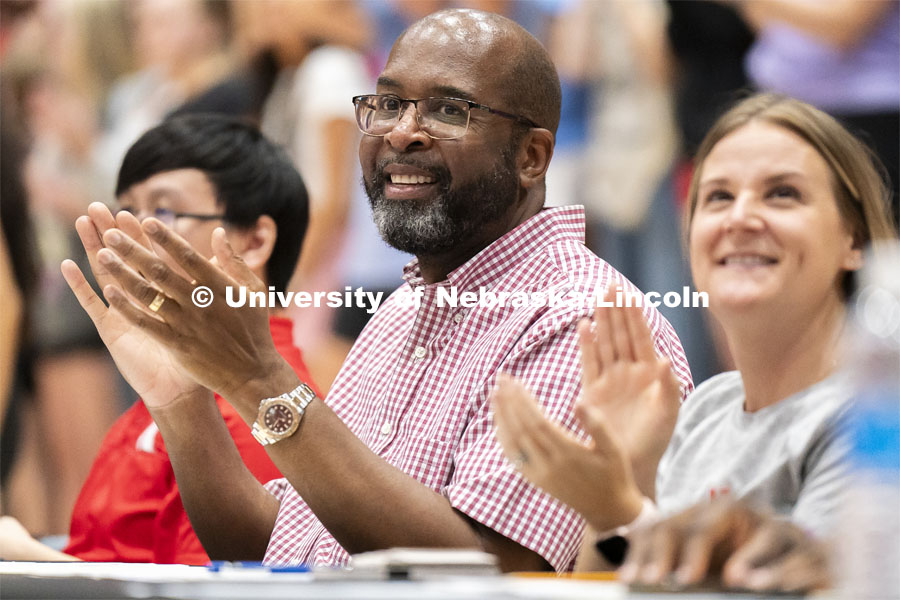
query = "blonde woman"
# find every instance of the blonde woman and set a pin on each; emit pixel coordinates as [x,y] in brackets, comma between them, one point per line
[782,203]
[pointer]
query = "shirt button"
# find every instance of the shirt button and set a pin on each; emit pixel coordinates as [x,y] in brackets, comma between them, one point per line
[457,318]
[386,428]
[419,352]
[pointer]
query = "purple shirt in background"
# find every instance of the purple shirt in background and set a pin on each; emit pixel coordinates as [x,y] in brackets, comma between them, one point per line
[862,79]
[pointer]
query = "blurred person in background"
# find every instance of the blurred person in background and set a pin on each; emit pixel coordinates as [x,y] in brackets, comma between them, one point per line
[54,452]
[782,204]
[842,56]
[18,267]
[96,48]
[566,29]
[181,48]
[19,260]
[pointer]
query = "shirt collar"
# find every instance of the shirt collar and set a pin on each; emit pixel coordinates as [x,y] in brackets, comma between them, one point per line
[549,226]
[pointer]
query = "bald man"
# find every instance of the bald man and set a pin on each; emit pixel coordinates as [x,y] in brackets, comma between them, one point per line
[458,137]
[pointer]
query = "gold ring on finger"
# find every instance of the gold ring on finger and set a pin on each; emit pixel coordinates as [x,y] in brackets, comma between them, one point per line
[157,302]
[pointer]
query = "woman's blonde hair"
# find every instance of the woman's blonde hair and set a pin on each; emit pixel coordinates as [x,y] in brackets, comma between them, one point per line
[858,177]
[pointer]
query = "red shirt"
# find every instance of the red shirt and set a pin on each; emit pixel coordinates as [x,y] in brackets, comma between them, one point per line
[129,509]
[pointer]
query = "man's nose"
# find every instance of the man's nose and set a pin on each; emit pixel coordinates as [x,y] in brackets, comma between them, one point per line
[407,132]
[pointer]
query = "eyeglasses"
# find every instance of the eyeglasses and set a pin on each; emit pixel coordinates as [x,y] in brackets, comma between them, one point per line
[168,216]
[439,118]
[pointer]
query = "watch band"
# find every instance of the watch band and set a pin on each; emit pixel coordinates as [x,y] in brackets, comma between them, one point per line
[299,398]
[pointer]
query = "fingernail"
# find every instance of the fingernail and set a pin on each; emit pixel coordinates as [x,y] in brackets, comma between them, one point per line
[114,237]
[151,226]
[106,257]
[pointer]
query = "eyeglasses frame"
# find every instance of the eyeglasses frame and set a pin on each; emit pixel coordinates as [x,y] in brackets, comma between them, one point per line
[178,215]
[414,101]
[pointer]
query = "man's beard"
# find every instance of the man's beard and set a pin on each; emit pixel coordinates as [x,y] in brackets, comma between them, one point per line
[435,226]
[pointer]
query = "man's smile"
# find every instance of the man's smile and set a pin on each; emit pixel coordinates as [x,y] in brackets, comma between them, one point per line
[411,179]
[402,181]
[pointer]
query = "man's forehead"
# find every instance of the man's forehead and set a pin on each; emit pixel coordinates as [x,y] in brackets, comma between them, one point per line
[440,62]
[427,87]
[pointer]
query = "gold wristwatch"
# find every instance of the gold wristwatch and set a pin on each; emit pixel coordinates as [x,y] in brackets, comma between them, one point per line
[279,417]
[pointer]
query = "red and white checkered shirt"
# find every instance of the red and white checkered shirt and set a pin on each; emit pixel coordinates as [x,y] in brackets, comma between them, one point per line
[416,386]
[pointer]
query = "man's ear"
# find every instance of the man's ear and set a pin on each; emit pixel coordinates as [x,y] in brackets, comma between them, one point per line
[256,243]
[534,156]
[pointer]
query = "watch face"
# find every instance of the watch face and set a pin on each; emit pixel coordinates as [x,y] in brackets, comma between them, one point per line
[278,418]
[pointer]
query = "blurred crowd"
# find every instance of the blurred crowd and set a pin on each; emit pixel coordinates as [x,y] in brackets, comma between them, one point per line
[642,82]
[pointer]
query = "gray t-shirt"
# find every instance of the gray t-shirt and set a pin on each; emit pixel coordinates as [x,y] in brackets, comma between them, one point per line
[788,457]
